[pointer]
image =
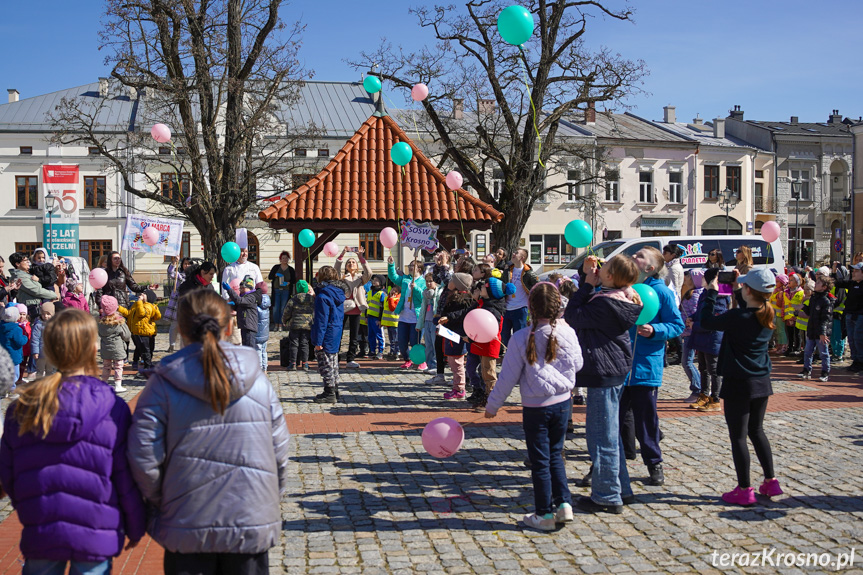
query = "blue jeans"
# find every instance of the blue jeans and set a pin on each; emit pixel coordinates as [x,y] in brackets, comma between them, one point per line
[854,321]
[49,567]
[837,343]
[429,334]
[408,336]
[687,355]
[513,320]
[822,349]
[280,300]
[544,432]
[393,335]
[376,336]
[610,478]
[262,353]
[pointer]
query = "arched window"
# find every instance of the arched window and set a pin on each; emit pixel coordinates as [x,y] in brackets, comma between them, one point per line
[254,248]
[716,226]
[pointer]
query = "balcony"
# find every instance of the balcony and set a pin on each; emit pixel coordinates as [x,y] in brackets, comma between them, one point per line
[837,204]
[765,204]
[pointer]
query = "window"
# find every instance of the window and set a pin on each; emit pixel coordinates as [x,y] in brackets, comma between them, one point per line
[27,247]
[675,187]
[323,152]
[645,188]
[732,180]
[759,174]
[496,184]
[26,150]
[94,192]
[93,151]
[298,180]
[551,249]
[92,250]
[254,248]
[185,248]
[164,150]
[711,182]
[573,185]
[374,249]
[27,192]
[803,176]
[170,188]
[300,152]
[613,235]
[612,186]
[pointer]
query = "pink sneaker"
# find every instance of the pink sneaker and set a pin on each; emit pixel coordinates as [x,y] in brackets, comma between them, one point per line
[406,365]
[770,488]
[454,394]
[740,496]
[423,367]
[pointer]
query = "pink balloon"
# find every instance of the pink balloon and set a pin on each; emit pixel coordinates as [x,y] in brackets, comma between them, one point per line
[442,437]
[331,249]
[419,92]
[454,180]
[150,235]
[389,237]
[770,232]
[481,326]
[98,278]
[161,133]
[235,284]
[22,309]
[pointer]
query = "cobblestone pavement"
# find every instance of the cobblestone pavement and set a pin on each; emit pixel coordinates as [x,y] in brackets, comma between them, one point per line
[365,497]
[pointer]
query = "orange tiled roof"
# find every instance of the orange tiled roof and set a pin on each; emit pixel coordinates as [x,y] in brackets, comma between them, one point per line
[361,183]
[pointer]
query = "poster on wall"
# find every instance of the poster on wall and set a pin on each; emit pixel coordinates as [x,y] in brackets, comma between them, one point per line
[60,225]
[150,235]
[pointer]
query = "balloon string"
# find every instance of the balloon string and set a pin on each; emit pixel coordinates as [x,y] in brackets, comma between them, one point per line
[399,199]
[532,106]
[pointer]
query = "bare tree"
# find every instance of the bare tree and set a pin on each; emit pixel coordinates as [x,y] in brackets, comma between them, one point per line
[222,74]
[479,108]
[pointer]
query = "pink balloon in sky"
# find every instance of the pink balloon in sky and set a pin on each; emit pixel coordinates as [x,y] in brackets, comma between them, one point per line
[481,326]
[419,92]
[389,237]
[150,235]
[442,437]
[331,249]
[454,180]
[161,133]
[98,278]
[770,232]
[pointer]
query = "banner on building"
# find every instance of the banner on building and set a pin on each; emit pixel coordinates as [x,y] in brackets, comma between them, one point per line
[60,225]
[166,237]
[418,235]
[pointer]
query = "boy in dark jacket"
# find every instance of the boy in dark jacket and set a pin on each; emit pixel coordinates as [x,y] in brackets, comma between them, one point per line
[327,332]
[458,303]
[247,304]
[706,344]
[297,317]
[820,327]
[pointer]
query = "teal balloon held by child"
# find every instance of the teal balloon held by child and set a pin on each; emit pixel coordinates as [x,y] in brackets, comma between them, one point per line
[372,84]
[650,301]
[515,25]
[401,154]
[578,234]
[230,252]
[418,354]
[307,238]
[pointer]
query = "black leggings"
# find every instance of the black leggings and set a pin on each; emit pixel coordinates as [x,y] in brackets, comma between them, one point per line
[353,324]
[439,357]
[746,418]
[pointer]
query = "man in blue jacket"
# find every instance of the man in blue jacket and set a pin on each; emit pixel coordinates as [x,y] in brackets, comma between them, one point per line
[648,360]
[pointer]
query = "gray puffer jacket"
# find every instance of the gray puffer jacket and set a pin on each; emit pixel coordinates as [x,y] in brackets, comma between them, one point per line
[115,334]
[214,480]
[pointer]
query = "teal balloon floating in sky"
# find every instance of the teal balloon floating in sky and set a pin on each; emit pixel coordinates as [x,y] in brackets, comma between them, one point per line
[306,238]
[515,25]
[650,300]
[372,84]
[401,154]
[578,234]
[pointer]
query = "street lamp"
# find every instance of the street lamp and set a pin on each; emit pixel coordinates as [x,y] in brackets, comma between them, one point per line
[796,186]
[50,204]
[727,201]
[846,209]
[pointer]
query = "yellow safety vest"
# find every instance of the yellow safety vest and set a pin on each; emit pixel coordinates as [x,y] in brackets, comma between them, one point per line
[840,309]
[802,318]
[389,318]
[374,302]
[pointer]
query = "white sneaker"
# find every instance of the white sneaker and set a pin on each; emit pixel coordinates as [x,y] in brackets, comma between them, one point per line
[439,378]
[545,523]
[379,356]
[119,388]
[564,513]
[353,365]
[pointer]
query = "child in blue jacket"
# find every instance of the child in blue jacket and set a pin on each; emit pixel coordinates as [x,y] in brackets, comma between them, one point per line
[12,338]
[327,331]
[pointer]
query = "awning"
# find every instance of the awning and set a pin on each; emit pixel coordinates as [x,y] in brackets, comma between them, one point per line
[661,224]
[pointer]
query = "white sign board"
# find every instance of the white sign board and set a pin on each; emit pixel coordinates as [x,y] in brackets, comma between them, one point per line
[419,236]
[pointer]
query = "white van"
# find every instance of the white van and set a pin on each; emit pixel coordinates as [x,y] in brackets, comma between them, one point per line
[695,250]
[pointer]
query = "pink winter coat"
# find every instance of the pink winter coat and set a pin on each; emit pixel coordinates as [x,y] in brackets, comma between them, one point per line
[72,299]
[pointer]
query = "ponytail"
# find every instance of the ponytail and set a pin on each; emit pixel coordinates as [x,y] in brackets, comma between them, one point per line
[531,344]
[38,404]
[217,383]
[544,303]
[765,313]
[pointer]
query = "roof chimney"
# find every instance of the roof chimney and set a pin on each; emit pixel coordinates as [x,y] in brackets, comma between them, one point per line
[486,105]
[669,117]
[458,108]
[13,95]
[794,120]
[103,87]
[718,127]
[736,113]
[835,118]
[697,121]
[590,113]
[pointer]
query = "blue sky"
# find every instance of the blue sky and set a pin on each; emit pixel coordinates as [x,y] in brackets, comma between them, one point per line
[775,59]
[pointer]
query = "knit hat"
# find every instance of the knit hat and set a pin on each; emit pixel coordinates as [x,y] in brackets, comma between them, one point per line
[462,281]
[496,273]
[824,271]
[109,305]
[262,287]
[782,279]
[248,281]
[497,289]
[49,307]
[22,309]
[11,314]
[302,286]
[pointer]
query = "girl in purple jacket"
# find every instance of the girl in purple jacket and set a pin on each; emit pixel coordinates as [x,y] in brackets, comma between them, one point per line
[63,459]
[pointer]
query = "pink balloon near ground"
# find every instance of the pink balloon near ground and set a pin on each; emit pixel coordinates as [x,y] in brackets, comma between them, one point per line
[419,92]
[98,278]
[454,180]
[150,236]
[389,237]
[331,249]
[481,326]
[161,133]
[442,437]
[770,232]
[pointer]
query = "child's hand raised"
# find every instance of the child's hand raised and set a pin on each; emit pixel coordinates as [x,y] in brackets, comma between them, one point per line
[390,260]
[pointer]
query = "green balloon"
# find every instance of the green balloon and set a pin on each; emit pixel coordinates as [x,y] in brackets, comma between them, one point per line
[230,252]
[650,300]
[515,25]
[372,84]
[578,234]
[418,354]
[401,154]
[307,238]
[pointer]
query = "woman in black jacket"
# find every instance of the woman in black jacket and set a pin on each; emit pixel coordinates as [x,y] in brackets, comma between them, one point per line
[119,281]
[200,277]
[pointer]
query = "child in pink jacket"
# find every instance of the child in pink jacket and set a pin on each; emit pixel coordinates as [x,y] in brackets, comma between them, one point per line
[76,298]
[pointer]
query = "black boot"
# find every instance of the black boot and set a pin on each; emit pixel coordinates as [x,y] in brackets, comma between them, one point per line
[657,477]
[328,396]
[586,480]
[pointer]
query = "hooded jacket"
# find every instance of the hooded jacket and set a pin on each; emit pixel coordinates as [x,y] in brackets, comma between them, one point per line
[192,283]
[79,301]
[214,480]
[299,311]
[706,340]
[404,283]
[118,286]
[246,305]
[648,355]
[13,340]
[114,333]
[820,312]
[142,318]
[329,317]
[31,293]
[263,333]
[456,307]
[602,325]
[73,489]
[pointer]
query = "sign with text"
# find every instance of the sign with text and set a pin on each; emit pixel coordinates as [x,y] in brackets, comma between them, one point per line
[60,225]
[416,236]
[170,238]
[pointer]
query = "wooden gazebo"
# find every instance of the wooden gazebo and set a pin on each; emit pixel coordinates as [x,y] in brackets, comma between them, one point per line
[361,190]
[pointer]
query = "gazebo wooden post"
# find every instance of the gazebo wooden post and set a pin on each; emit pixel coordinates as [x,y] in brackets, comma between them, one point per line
[298,253]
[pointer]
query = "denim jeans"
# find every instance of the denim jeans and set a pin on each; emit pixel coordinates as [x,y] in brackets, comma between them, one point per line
[50,567]
[513,320]
[811,344]
[376,336]
[610,478]
[393,336]
[854,322]
[281,297]
[262,353]
[544,432]
[837,342]
[687,358]
[429,334]
[408,336]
